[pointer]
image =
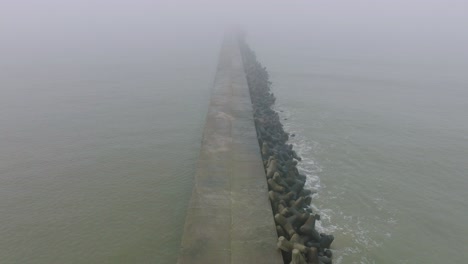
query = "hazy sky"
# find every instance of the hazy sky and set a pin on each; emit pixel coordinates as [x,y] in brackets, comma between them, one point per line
[30,27]
[26,13]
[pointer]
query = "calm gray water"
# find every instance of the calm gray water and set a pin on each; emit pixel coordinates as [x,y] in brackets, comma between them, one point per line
[385,142]
[97,150]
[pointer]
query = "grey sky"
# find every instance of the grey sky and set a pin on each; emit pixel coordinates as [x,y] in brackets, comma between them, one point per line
[28,27]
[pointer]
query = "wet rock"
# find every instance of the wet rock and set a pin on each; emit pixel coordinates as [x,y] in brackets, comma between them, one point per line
[326,240]
[301,218]
[277,178]
[272,168]
[286,223]
[275,186]
[297,257]
[280,231]
[299,203]
[288,246]
[312,256]
[281,206]
[290,201]
[325,260]
[305,192]
[308,228]
[276,197]
[265,149]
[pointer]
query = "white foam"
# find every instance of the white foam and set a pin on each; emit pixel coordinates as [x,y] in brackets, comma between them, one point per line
[355,226]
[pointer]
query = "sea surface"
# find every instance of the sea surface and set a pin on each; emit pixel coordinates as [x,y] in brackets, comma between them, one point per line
[99,139]
[383,134]
[98,146]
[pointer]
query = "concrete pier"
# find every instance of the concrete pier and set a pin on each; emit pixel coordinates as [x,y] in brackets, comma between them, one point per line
[229,218]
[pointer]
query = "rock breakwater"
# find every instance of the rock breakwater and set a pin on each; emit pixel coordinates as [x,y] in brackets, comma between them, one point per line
[298,239]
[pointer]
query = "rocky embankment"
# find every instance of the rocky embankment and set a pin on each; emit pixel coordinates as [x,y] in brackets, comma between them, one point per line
[295,221]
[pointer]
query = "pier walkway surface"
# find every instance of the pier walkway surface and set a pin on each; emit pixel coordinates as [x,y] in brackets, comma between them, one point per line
[229,217]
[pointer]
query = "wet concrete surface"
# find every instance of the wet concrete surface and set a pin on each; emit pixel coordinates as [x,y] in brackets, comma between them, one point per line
[229,219]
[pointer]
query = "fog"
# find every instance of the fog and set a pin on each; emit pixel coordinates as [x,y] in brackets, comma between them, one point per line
[42,37]
[37,29]
[102,106]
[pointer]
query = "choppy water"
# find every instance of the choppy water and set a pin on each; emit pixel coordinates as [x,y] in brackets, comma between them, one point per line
[385,143]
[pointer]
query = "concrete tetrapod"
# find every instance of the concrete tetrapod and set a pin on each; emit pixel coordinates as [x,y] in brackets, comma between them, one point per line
[289,200]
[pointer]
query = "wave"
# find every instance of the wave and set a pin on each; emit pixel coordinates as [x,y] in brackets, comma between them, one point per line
[356,227]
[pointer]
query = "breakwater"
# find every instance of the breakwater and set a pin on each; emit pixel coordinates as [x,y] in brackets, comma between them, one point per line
[229,218]
[295,221]
[248,202]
